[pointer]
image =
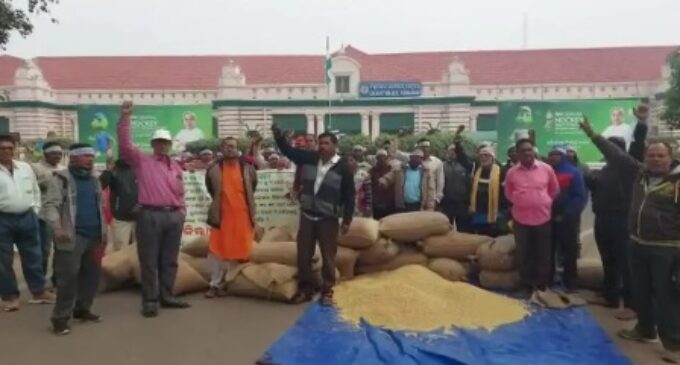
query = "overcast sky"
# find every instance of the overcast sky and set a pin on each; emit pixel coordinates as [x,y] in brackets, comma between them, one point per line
[145,27]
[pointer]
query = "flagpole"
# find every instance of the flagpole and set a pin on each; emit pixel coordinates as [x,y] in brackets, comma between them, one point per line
[328,82]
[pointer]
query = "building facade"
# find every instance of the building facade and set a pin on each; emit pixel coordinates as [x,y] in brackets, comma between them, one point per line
[362,93]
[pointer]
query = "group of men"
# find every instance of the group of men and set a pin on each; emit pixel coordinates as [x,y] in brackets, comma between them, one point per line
[637,227]
[541,202]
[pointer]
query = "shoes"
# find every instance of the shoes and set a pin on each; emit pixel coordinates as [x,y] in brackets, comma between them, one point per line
[45,297]
[635,335]
[11,304]
[671,357]
[174,304]
[61,328]
[87,316]
[149,310]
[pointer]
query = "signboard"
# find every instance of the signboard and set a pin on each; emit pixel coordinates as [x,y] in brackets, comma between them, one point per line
[390,89]
[187,123]
[272,199]
[197,201]
[273,204]
[557,123]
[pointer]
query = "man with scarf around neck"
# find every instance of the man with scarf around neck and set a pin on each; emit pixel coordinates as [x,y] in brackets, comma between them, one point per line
[531,186]
[161,216]
[566,215]
[488,204]
[73,211]
[654,223]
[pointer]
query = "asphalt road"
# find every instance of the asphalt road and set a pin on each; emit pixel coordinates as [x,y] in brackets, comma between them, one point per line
[234,331]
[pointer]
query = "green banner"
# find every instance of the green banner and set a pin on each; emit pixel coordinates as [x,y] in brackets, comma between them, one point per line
[557,123]
[187,123]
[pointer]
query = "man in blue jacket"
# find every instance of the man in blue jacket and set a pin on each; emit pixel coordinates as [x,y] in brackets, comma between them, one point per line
[566,214]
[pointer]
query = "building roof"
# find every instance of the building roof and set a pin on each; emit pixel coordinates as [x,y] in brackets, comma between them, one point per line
[486,68]
[8,65]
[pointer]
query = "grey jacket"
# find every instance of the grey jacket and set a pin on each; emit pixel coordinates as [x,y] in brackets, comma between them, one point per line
[59,207]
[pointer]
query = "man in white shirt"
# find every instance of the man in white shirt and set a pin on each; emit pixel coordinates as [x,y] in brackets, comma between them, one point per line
[435,166]
[19,205]
[619,128]
[189,134]
[44,170]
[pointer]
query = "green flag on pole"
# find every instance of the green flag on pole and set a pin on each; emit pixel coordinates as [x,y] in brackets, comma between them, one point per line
[329,62]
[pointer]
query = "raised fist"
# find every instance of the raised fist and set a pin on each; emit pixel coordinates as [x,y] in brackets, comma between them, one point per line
[126,109]
[276,131]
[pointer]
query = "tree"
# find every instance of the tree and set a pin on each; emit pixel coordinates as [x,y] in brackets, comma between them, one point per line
[671,113]
[13,18]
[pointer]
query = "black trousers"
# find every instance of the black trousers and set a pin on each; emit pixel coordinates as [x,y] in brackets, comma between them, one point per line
[78,271]
[657,303]
[458,214]
[324,231]
[159,233]
[411,207]
[613,242]
[565,234]
[533,254]
[380,212]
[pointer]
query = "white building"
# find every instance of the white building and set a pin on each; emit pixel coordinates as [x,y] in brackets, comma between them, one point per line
[369,93]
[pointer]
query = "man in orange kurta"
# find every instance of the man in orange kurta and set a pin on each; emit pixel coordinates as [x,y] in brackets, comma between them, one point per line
[231,181]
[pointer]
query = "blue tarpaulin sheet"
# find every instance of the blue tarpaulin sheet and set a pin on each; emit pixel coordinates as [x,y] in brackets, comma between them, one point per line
[547,337]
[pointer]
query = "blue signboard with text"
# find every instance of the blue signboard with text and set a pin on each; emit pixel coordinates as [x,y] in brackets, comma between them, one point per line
[390,89]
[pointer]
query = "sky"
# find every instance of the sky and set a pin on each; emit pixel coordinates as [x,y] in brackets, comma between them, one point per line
[199,27]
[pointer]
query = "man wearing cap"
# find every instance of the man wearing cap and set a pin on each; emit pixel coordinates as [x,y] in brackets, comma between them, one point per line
[161,216]
[414,187]
[488,204]
[566,214]
[435,166]
[19,204]
[51,163]
[73,209]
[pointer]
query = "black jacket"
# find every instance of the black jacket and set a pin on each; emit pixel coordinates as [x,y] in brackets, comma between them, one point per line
[654,216]
[457,180]
[611,191]
[123,184]
[336,196]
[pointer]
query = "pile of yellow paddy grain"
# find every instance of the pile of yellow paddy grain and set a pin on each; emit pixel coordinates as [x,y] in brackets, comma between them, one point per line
[413,298]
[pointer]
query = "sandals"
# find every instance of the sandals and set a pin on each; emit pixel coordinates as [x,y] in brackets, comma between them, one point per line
[301,297]
[326,299]
[215,292]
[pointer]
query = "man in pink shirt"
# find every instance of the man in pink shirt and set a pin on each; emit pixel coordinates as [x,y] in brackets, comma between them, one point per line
[161,217]
[531,186]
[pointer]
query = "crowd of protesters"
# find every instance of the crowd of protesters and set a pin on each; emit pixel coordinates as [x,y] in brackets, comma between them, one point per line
[635,198]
